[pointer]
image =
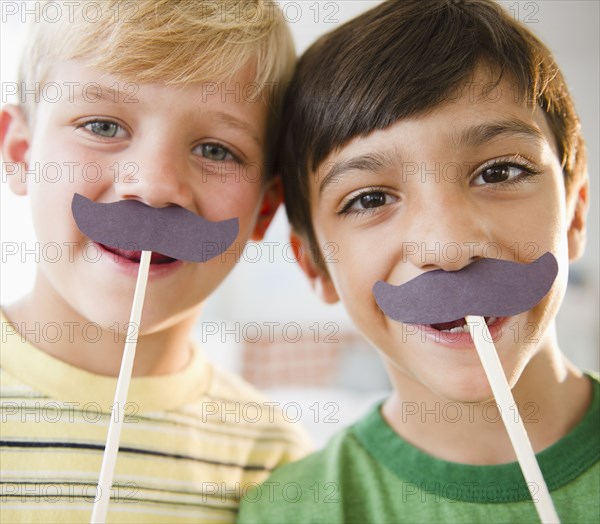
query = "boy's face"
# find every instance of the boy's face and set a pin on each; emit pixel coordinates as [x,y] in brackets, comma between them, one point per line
[475,177]
[200,147]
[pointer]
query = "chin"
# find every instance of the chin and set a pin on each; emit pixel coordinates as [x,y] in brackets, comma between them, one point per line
[470,395]
[470,388]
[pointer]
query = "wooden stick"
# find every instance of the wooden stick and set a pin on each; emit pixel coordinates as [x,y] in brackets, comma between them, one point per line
[118,409]
[514,425]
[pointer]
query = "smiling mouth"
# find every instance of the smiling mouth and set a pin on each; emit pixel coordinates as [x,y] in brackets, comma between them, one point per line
[459,325]
[134,256]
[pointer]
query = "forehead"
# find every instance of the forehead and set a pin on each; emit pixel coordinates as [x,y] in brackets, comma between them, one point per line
[475,115]
[76,75]
[74,84]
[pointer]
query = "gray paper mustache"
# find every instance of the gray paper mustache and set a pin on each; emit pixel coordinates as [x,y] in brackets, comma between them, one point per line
[172,231]
[487,288]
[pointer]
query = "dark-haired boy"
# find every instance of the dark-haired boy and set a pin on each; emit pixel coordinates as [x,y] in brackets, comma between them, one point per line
[424,136]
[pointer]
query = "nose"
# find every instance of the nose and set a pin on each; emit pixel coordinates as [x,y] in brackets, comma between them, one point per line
[157,175]
[449,232]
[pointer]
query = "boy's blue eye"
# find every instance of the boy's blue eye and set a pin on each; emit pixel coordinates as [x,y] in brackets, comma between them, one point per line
[103,128]
[214,152]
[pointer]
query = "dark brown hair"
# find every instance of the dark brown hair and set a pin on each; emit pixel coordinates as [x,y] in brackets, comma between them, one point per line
[403,58]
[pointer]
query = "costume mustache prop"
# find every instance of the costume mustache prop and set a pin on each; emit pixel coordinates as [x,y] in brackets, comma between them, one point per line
[172,231]
[494,288]
[486,288]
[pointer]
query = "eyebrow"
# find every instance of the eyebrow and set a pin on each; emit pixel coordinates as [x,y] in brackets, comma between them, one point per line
[481,134]
[237,123]
[369,162]
[474,136]
[97,92]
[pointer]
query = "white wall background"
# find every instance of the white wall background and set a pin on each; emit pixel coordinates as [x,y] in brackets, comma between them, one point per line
[273,289]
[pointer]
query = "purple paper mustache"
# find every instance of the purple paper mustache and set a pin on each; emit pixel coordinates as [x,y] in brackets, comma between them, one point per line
[171,231]
[487,288]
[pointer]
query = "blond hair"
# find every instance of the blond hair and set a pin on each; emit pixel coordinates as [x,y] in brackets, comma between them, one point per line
[177,42]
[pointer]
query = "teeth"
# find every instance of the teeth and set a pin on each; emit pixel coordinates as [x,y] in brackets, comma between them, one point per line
[458,329]
[465,328]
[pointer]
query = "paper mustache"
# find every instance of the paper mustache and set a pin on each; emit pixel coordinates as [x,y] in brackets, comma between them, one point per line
[486,288]
[172,231]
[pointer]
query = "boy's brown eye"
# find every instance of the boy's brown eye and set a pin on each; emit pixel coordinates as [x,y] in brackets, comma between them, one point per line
[502,174]
[496,174]
[369,199]
[372,200]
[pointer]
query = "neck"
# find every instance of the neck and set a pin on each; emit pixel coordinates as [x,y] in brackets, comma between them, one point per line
[551,395]
[53,326]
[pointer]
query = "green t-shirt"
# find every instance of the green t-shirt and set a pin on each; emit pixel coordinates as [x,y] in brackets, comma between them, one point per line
[368,473]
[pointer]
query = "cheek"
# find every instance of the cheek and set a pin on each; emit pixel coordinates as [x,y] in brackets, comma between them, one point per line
[50,190]
[525,230]
[353,272]
[550,304]
[358,256]
[52,217]
[354,260]
[239,199]
[57,165]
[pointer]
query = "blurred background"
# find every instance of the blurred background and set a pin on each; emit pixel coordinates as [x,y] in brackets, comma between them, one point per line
[265,323]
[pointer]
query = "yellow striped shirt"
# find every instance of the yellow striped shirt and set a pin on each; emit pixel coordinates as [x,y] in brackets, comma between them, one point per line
[192,442]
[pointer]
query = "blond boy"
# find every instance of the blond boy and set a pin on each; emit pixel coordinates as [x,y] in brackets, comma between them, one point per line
[168,103]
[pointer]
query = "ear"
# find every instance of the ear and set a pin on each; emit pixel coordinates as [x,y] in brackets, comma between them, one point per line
[272,197]
[15,139]
[320,281]
[577,231]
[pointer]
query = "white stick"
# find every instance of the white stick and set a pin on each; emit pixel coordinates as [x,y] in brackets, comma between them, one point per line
[118,409]
[514,426]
